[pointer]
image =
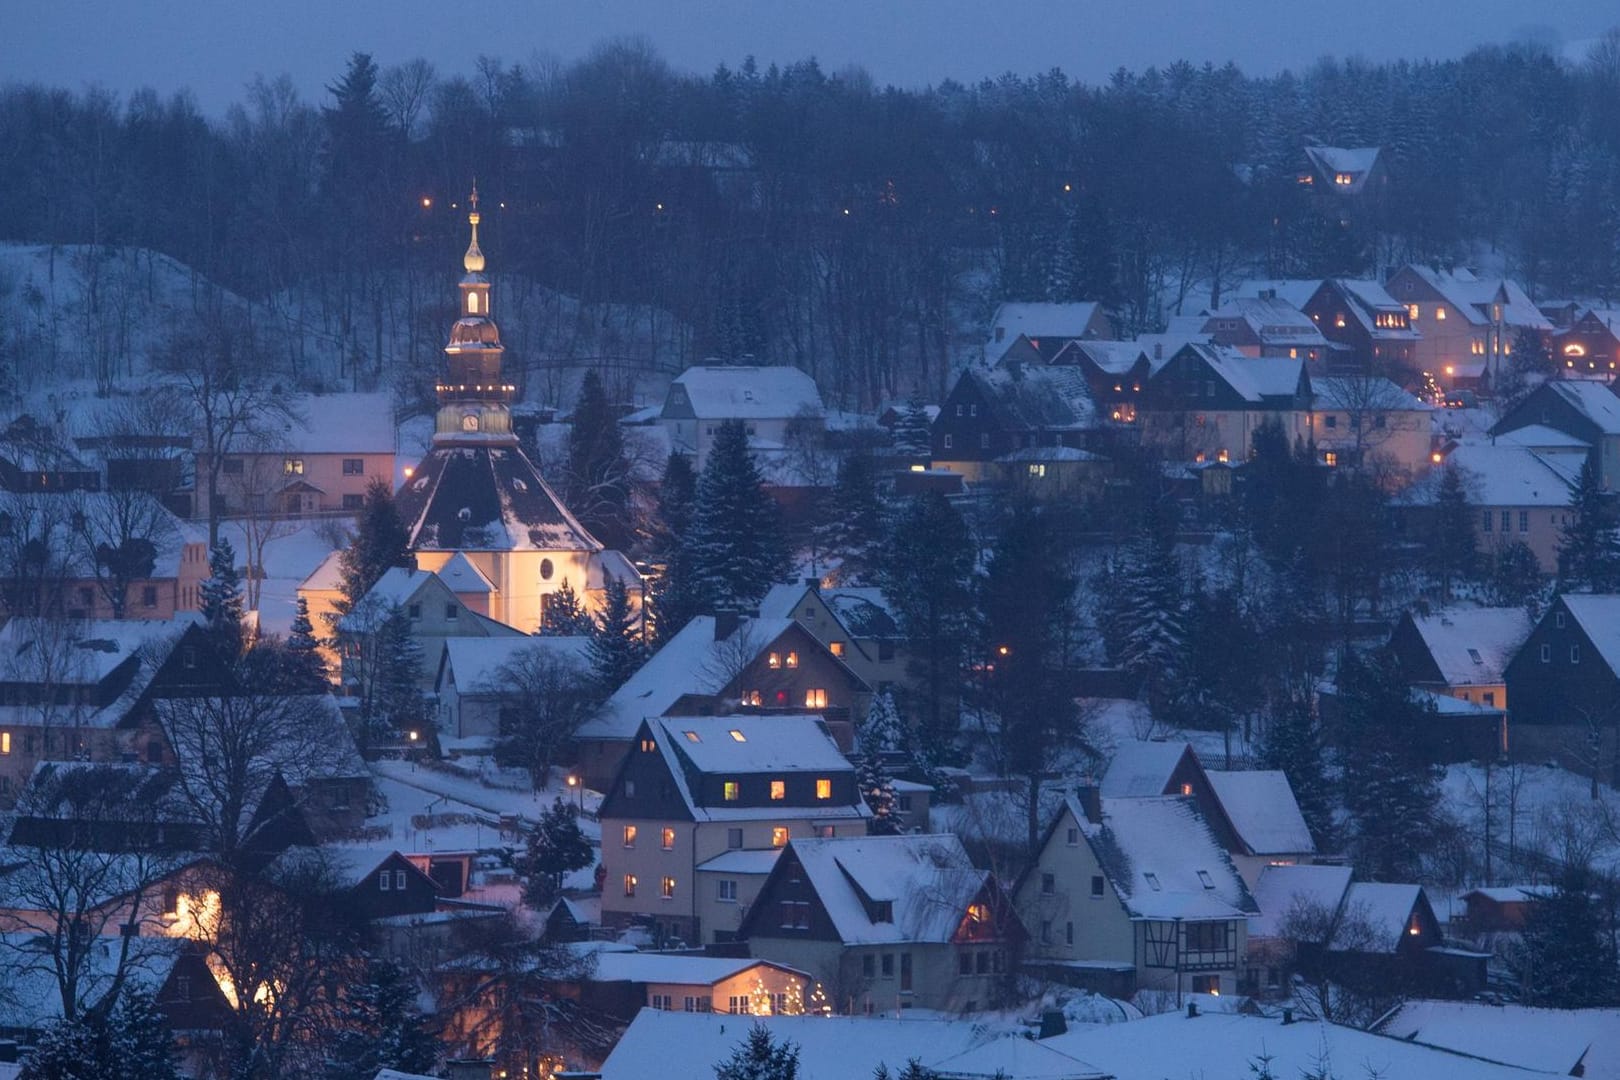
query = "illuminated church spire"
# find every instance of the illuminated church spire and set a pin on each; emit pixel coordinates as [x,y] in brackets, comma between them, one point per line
[474,259]
[473,397]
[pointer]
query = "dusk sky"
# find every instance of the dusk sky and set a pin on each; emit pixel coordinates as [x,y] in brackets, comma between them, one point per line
[216,47]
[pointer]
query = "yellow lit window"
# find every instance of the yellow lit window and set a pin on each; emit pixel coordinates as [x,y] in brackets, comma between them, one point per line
[779,836]
[1293,354]
[648,746]
[778,789]
[837,649]
[1037,470]
[629,836]
[1186,789]
[1222,456]
[792,660]
[815,698]
[1574,350]
[1338,320]
[1440,314]
[292,466]
[1330,459]
[1450,369]
[5,742]
[750,697]
[978,913]
[669,838]
[775,661]
[472,303]
[824,789]
[629,884]
[731,791]
[738,736]
[666,888]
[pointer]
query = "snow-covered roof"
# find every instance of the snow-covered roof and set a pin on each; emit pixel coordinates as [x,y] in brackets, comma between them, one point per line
[742,861]
[1542,437]
[666,1043]
[1472,646]
[1253,378]
[643,967]
[781,601]
[475,662]
[1142,767]
[1261,806]
[487,498]
[1375,394]
[33,996]
[753,744]
[1506,475]
[1163,859]
[327,577]
[1353,162]
[1114,357]
[1296,291]
[1038,320]
[1280,888]
[1014,1059]
[1272,319]
[1376,915]
[726,392]
[692,662]
[1029,398]
[1599,617]
[463,577]
[76,652]
[1593,400]
[1547,1040]
[927,880]
[1510,894]
[1172,1046]
[329,424]
[1048,454]
[48,516]
[864,611]
[1474,297]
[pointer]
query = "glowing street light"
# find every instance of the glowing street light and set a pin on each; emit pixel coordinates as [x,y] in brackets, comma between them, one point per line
[427,203]
[574,782]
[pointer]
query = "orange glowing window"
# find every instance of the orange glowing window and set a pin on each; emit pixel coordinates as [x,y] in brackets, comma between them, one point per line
[815,698]
[779,836]
[778,789]
[824,789]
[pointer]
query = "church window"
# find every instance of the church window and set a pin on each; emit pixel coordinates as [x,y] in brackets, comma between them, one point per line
[472,303]
[546,569]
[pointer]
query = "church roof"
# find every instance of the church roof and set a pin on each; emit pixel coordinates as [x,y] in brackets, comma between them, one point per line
[486,498]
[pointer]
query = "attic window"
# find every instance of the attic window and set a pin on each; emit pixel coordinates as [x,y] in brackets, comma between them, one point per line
[1205,880]
[883,911]
[978,913]
[774,661]
[1152,880]
[692,736]
[1186,789]
[778,789]
[738,736]
[792,660]
[1473,654]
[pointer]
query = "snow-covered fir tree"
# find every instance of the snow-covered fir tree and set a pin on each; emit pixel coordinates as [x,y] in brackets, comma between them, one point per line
[882,730]
[912,433]
[760,1058]
[616,649]
[857,520]
[381,541]
[1588,546]
[221,596]
[675,599]
[1565,956]
[305,668]
[556,847]
[878,791]
[1452,551]
[380,1027]
[565,615]
[737,547]
[131,1042]
[1148,610]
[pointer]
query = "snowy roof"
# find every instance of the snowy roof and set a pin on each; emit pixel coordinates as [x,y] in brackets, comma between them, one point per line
[1014,1058]
[1376,394]
[1548,1040]
[692,662]
[1542,437]
[330,424]
[398,585]
[327,577]
[864,611]
[1253,378]
[77,652]
[927,880]
[1592,399]
[1296,291]
[1172,1046]
[686,1046]
[1354,162]
[1473,296]
[1114,357]
[463,577]
[486,498]
[1272,319]
[475,663]
[1163,859]
[1261,806]
[1599,616]
[1038,398]
[1472,646]
[742,861]
[1510,894]
[775,744]
[1381,909]
[1505,475]
[48,516]
[1142,767]
[1038,320]
[33,996]
[395,1074]
[1279,888]
[735,392]
[643,967]
[1048,453]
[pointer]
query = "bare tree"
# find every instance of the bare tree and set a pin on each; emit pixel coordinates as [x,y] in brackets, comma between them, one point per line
[545,697]
[405,90]
[253,499]
[48,660]
[120,535]
[36,553]
[1313,930]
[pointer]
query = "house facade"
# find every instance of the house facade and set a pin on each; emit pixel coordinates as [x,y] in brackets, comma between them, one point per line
[1584,410]
[1206,402]
[1467,325]
[1564,683]
[767,400]
[1369,331]
[1589,347]
[989,414]
[1461,652]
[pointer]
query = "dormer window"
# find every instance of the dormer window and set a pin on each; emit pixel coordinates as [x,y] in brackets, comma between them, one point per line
[778,790]
[779,836]
[883,911]
[692,736]
[1186,789]
[978,913]
[730,791]
[824,788]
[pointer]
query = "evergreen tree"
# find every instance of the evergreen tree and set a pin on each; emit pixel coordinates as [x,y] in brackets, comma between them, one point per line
[758,1058]
[617,651]
[598,477]
[1516,578]
[222,598]
[883,729]
[306,671]
[878,791]
[1391,789]
[675,599]
[736,546]
[1566,954]
[1292,742]
[1219,682]
[1149,620]
[565,616]
[131,1042]
[1451,549]
[381,541]
[556,847]
[914,1070]
[913,433]
[1588,550]
[387,663]
[380,1027]
[858,520]
[927,578]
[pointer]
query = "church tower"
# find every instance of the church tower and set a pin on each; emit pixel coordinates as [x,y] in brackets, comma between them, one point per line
[477,498]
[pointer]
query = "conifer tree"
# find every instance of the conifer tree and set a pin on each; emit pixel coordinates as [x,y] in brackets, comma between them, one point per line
[1292,742]
[381,541]
[674,597]
[883,729]
[913,433]
[222,598]
[565,616]
[556,847]
[598,479]
[857,515]
[380,1027]
[1565,957]
[878,791]
[1516,579]
[1149,614]
[306,670]
[131,1042]
[1588,550]
[758,1058]
[736,543]
[616,648]
[1452,551]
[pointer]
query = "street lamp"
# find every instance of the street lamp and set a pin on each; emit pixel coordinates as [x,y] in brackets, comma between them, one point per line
[573,782]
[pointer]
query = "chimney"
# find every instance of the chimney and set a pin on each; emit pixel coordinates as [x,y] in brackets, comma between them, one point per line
[1052,1023]
[726,623]
[1090,797]
[813,584]
[1268,294]
[1192,1010]
[1158,350]
[1288,1015]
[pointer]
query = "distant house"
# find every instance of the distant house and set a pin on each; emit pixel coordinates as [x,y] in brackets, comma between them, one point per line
[887,920]
[1463,652]
[621,984]
[1387,935]
[1496,909]
[1517,495]
[766,399]
[855,623]
[1290,901]
[320,461]
[1265,326]
[1587,411]
[725,663]
[1468,325]
[1589,347]
[1135,892]
[1344,172]
[697,793]
[1367,418]
[33,459]
[1368,330]
[376,882]
[1115,371]
[1206,402]
[471,694]
[1045,328]
[1564,682]
[989,414]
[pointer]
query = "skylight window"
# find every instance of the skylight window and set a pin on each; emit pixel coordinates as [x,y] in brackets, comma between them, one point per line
[1152,880]
[738,736]
[1204,878]
[1473,654]
[692,736]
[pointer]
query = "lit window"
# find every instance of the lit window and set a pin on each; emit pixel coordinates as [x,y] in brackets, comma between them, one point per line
[629,836]
[792,660]
[1338,320]
[730,791]
[750,697]
[1330,459]
[292,466]
[978,913]
[692,736]
[837,649]
[1440,313]
[1222,456]
[779,836]
[1186,789]
[629,884]
[648,746]
[1411,311]
[669,838]
[666,888]
[815,698]
[1037,471]
[775,661]
[472,303]
[823,786]
[1573,349]
[738,736]
[778,789]
[5,742]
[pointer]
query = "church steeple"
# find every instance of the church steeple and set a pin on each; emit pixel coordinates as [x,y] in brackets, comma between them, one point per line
[473,397]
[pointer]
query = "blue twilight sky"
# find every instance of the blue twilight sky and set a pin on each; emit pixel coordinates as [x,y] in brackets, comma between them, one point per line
[215,46]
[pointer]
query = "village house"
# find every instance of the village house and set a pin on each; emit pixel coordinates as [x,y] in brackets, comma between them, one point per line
[855,623]
[725,663]
[1115,371]
[1496,909]
[1206,402]
[1462,652]
[1583,410]
[696,790]
[1369,331]
[1517,495]
[1291,901]
[1564,683]
[1135,893]
[1040,330]
[1339,172]
[1386,935]
[32,458]
[622,982]
[474,700]
[1368,420]
[1467,325]
[1265,326]
[767,400]
[318,461]
[989,414]
[1589,346]
[888,922]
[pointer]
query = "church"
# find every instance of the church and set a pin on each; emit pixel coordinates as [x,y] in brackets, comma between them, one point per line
[477,494]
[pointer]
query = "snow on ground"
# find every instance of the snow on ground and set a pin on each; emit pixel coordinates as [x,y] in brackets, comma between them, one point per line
[490,790]
[1116,720]
[288,561]
[416,820]
[1538,808]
